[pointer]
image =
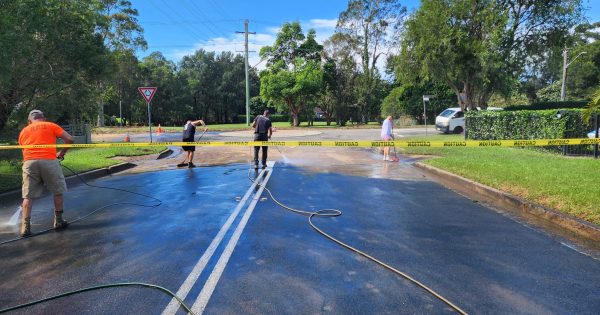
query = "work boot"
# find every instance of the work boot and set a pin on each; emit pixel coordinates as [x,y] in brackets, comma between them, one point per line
[182,164]
[264,166]
[25,228]
[59,223]
[190,165]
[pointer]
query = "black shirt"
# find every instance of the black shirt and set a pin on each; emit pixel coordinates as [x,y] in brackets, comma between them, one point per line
[189,131]
[262,124]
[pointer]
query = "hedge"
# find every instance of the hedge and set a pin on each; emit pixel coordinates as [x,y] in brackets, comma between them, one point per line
[548,105]
[527,124]
[273,117]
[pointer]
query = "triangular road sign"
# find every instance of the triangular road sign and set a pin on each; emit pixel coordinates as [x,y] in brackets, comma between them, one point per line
[147,93]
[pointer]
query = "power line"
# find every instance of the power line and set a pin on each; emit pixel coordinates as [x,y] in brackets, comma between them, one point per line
[210,26]
[191,22]
[190,32]
[218,7]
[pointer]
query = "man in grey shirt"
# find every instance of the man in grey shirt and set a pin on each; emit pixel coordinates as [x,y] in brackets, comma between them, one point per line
[262,132]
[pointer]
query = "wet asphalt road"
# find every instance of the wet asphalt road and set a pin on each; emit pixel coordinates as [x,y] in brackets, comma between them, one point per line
[480,260]
[281,135]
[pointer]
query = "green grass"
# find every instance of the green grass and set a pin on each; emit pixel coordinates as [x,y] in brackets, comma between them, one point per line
[567,184]
[79,160]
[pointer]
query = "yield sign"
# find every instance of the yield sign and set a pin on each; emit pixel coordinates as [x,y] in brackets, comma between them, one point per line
[147,93]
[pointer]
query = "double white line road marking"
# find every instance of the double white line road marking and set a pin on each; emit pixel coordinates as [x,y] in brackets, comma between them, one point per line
[202,299]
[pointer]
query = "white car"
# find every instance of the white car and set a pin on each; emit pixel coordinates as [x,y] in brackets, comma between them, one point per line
[592,134]
[452,120]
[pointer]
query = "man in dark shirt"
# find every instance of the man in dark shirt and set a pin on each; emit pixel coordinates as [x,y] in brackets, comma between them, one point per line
[262,132]
[189,131]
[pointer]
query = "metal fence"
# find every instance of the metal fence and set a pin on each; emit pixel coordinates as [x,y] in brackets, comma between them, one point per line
[82,133]
[584,150]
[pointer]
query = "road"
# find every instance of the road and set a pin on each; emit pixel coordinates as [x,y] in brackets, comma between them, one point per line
[279,134]
[224,255]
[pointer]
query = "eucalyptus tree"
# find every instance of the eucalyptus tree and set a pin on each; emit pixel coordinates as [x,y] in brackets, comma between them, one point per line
[340,72]
[122,35]
[372,26]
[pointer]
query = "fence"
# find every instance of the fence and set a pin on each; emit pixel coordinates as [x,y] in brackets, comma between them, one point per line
[585,150]
[82,133]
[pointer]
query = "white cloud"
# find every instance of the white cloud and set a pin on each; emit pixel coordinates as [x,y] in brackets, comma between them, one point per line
[322,23]
[324,28]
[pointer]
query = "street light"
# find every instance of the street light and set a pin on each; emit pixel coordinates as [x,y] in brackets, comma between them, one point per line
[426,98]
[563,87]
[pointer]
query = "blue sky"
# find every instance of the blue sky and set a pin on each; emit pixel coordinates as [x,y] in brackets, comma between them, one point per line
[180,27]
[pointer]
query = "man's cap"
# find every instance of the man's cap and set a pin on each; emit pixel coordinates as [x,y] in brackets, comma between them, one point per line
[35,114]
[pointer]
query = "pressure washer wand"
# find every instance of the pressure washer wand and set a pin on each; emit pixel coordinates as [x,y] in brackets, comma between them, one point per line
[203,132]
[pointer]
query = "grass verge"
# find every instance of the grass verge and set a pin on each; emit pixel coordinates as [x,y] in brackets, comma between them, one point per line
[79,160]
[563,183]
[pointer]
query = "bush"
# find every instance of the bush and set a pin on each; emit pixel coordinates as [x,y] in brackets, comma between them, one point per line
[526,124]
[548,105]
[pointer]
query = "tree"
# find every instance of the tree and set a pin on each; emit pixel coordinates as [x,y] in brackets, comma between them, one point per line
[293,76]
[59,53]
[156,70]
[340,74]
[544,66]
[54,48]
[213,86]
[119,26]
[593,107]
[370,24]
[291,90]
[407,100]
[479,47]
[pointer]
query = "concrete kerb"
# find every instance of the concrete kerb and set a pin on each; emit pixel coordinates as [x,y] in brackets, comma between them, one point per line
[93,174]
[497,198]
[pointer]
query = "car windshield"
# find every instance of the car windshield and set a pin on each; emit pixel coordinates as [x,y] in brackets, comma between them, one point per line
[447,113]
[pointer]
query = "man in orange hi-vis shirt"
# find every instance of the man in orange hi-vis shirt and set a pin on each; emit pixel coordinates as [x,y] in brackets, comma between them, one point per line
[40,166]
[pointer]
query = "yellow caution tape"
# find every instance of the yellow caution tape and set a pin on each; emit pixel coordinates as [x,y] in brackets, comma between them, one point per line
[328,143]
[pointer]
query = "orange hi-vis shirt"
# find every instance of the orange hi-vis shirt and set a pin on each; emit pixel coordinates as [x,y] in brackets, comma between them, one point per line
[41,132]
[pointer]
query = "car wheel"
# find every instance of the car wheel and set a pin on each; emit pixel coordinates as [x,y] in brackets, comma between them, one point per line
[458,130]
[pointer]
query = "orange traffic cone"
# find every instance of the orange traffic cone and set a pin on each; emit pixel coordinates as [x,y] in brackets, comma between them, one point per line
[126,137]
[159,130]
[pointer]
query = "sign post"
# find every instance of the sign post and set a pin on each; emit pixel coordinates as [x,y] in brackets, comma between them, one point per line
[148,94]
[426,98]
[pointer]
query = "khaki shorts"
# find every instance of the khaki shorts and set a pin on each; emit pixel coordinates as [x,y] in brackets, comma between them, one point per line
[36,173]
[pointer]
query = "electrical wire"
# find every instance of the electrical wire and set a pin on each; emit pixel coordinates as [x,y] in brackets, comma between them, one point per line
[98,287]
[158,203]
[336,213]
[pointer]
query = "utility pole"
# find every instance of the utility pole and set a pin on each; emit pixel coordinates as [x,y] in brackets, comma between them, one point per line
[566,64]
[245,32]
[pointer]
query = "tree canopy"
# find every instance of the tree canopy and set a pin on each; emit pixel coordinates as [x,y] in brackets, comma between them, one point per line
[293,76]
[476,47]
